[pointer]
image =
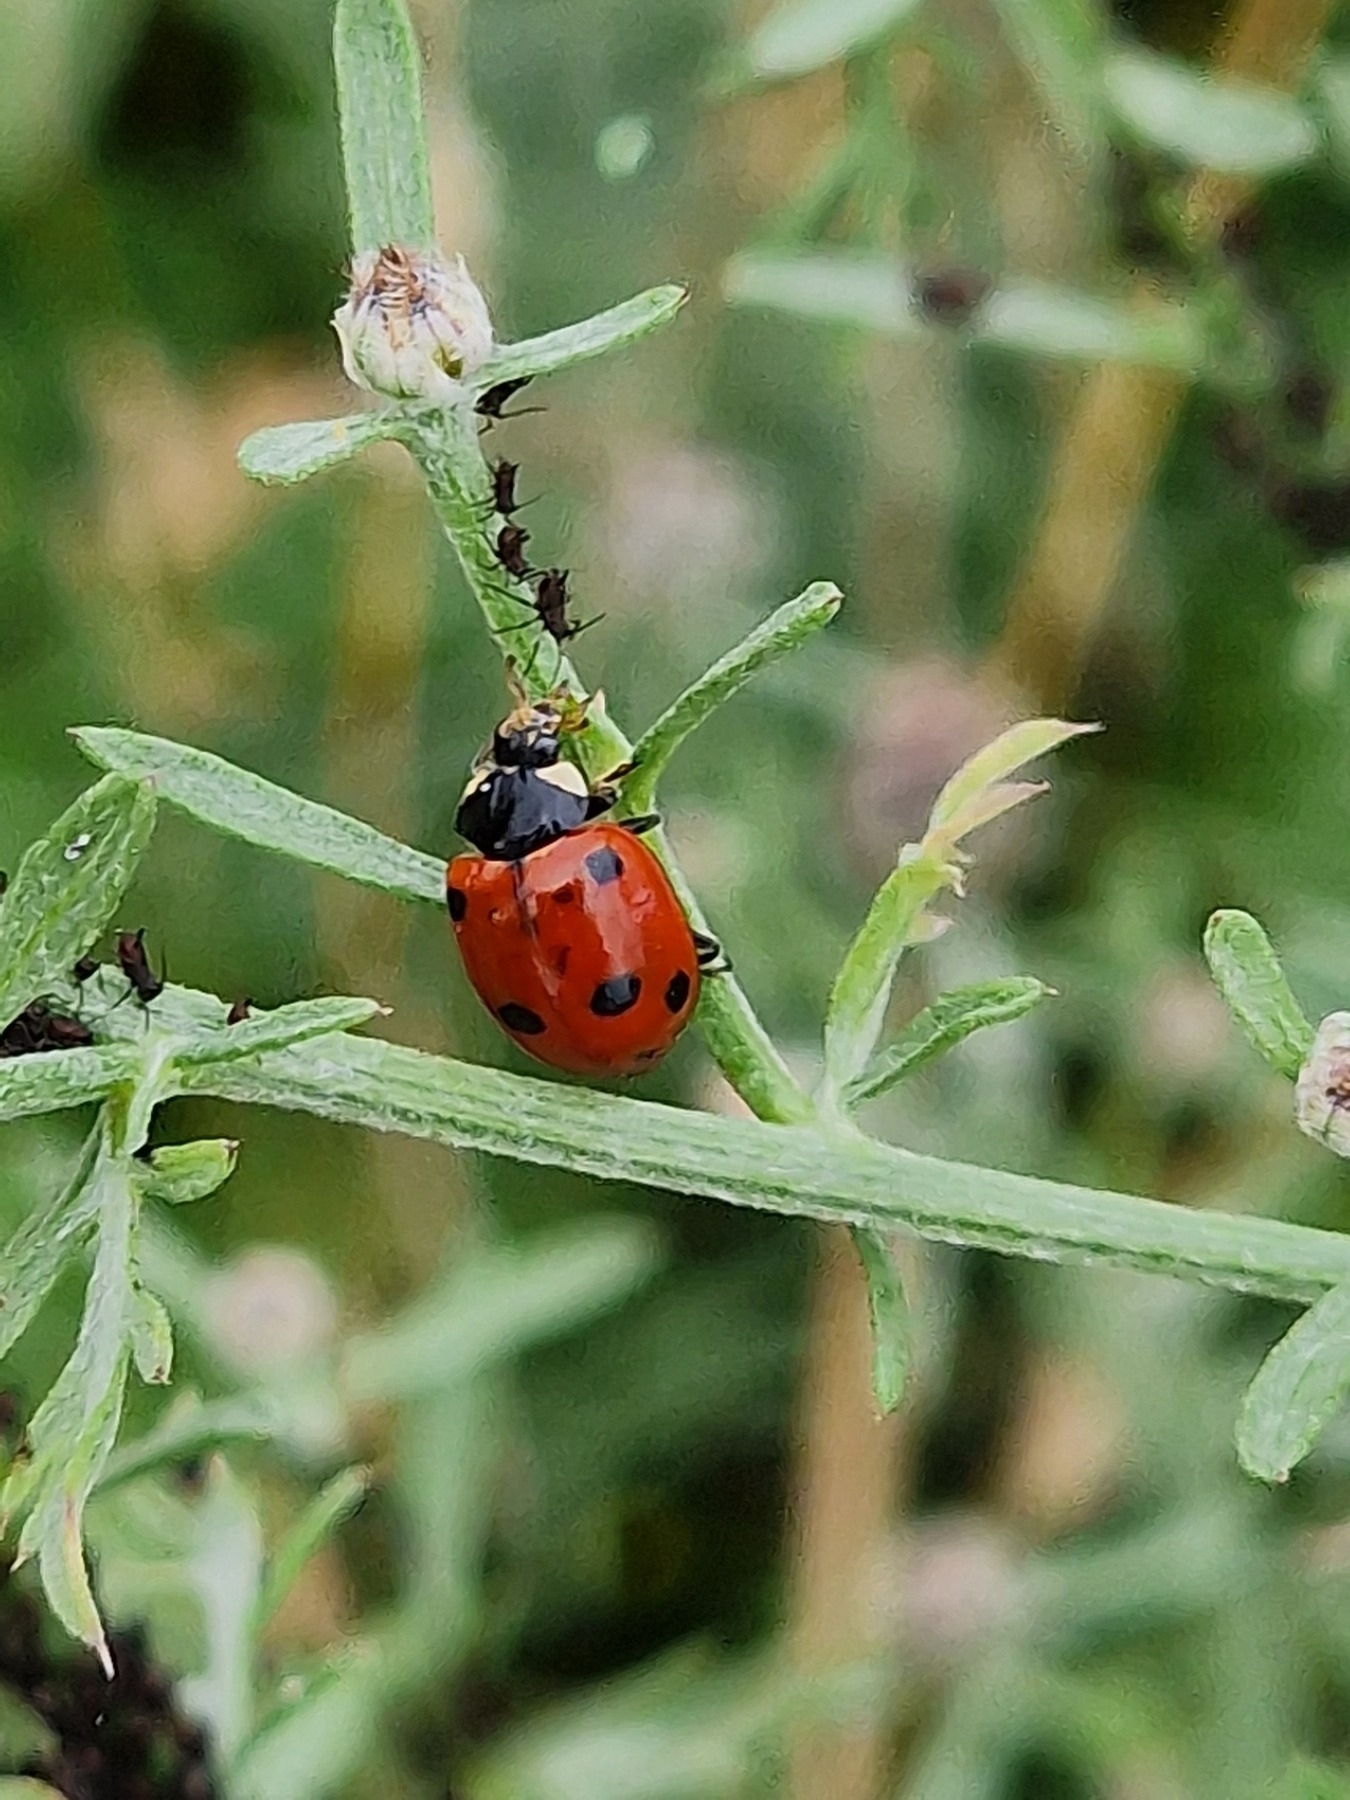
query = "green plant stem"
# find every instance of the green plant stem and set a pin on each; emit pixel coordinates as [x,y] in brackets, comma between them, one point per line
[446,448]
[837,1176]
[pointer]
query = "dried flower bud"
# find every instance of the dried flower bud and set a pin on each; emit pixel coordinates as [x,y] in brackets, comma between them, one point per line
[413,326]
[1323,1094]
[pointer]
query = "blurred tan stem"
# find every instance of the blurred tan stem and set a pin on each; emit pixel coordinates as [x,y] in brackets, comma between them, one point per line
[845,1492]
[1116,434]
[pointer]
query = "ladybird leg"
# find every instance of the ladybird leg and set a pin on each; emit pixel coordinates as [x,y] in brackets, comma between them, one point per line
[712,960]
[641,822]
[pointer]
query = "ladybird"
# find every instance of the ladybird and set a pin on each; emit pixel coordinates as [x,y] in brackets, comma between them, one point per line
[570,931]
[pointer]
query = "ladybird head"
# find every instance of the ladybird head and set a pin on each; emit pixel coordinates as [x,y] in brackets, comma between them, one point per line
[530,737]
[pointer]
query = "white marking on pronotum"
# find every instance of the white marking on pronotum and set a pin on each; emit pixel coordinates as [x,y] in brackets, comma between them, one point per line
[565,775]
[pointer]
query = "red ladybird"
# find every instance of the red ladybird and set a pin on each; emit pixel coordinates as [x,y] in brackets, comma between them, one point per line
[570,931]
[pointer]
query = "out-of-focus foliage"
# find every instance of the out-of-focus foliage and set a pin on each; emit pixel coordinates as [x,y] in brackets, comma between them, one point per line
[568,1575]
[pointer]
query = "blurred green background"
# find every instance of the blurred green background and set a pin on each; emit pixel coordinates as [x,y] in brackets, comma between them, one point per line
[620,1564]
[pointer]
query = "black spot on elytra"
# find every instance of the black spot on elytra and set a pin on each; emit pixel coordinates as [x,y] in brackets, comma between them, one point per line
[677,990]
[456,900]
[605,866]
[616,995]
[565,895]
[520,1019]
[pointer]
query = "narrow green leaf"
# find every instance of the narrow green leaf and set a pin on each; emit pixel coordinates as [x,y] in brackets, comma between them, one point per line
[495,1303]
[1039,319]
[1238,128]
[337,1500]
[1298,1390]
[889,1312]
[837,287]
[224,1569]
[384,135]
[281,454]
[952,1017]
[245,806]
[72,1433]
[191,1432]
[52,1080]
[1019,744]
[840,1177]
[803,35]
[276,1030]
[1247,973]
[67,887]
[1061,44]
[21,1787]
[862,988]
[178,1174]
[151,1336]
[783,631]
[40,1247]
[609,330]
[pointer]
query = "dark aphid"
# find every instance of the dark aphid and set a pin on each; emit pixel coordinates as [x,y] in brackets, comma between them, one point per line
[950,296]
[240,1011]
[4,883]
[85,968]
[510,547]
[490,402]
[504,487]
[551,601]
[38,1030]
[135,965]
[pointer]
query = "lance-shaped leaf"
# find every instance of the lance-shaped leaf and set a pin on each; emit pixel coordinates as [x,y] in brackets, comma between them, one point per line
[837,287]
[784,630]
[952,1017]
[67,887]
[1236,127]
[888,1310]
[72,1433]
[245,806]
[281,454]
[983,772]
[47,1082]
[224,1568]
[384,134]
[337,1500]
[609,330]
[978,792]
[1247,973]
[1298,1389]
[275,1030]
[40,1247]
[803,35]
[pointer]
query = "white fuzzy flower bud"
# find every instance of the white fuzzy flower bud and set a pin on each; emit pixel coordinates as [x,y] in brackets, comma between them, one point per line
[414,326]
[1323,1093]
